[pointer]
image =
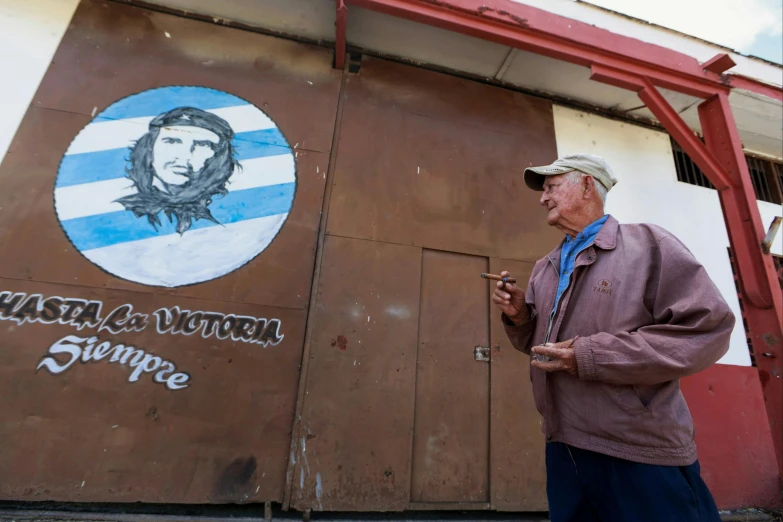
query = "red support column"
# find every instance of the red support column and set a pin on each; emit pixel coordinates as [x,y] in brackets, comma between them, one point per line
[763,303]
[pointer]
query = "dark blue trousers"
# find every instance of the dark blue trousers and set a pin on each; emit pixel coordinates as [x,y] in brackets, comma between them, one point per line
[584,486]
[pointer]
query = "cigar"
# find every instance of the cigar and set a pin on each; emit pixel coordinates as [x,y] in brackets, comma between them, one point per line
[499,278]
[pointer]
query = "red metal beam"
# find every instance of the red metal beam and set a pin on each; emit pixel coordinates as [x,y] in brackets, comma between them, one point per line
[668,117]
[341,25]
[683,134]
[763,309]
[722,138]
[719,63]
[541,32]
[749,84]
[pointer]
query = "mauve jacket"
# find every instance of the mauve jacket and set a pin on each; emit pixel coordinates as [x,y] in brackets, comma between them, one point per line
[647,314]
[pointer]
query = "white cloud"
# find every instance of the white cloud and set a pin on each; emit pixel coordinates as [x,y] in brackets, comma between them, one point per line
[732,23]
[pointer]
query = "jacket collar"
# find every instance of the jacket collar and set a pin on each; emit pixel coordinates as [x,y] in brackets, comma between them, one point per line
[606,239]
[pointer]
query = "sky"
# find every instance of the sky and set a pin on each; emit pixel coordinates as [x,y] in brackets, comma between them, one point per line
[749,26]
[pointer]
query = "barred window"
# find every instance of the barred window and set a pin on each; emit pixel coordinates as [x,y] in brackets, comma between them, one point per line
[687,171]
[766,175]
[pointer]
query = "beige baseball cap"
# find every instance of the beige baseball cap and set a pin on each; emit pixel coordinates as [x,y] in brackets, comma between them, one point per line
[594,166]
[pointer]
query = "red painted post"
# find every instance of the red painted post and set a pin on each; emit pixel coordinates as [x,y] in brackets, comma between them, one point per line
[763,303]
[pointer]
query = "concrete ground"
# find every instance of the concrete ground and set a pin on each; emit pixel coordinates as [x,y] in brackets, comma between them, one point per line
[54,516]
[748,515]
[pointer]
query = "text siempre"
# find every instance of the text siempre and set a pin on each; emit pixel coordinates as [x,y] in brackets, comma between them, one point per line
[80,313]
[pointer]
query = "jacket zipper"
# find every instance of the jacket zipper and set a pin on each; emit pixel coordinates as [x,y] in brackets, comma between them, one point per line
[552,313]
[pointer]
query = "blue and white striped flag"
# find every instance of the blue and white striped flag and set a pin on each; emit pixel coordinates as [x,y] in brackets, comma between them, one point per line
[175,186]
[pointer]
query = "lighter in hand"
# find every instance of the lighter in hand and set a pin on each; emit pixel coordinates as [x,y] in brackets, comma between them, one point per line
[542,358]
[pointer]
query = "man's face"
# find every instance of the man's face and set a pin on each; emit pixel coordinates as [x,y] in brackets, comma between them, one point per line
[562,199]
[180,152]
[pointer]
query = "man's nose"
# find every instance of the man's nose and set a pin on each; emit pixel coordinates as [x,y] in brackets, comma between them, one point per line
[179,151]
[544,199]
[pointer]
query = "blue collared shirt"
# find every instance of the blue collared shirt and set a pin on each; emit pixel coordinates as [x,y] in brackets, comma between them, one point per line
[571,249]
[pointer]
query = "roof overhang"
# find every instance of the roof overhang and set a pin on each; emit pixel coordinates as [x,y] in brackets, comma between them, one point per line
[525,47]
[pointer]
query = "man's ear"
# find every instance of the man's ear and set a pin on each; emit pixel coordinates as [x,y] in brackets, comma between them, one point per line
[588,184]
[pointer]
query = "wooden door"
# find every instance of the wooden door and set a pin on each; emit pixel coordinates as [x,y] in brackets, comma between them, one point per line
[451,429]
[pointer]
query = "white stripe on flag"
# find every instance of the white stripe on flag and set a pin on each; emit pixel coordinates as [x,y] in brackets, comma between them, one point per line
[90,199]
[196,256]
[119,134]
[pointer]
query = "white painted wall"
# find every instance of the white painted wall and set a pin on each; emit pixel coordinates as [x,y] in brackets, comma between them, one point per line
[648,191]
[30,31]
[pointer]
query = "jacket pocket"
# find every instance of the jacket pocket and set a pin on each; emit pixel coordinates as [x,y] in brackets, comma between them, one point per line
[538,379]
[626,397]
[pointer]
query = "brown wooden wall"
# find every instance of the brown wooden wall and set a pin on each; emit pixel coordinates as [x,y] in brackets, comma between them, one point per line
[408,186]
[426,194]
[88,434]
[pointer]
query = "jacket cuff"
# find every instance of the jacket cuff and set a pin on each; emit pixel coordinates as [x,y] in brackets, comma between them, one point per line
[585,359]
[508,323]
[519,335]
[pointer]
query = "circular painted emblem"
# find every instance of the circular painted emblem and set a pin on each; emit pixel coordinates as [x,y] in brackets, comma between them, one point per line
[605,284]
[175,186]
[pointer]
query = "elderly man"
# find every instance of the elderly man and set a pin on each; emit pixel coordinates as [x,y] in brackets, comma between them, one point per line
[614,317]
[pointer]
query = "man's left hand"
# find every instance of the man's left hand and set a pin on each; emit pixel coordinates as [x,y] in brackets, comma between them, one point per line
[563,355]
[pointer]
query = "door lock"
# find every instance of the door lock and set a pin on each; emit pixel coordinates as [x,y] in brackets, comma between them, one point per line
[482,353]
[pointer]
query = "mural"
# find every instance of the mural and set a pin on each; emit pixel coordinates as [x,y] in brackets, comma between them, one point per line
[175,186]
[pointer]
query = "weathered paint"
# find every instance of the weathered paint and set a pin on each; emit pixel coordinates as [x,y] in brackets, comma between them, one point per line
[517,471]
[756,274]
[631,65]
[733,437]
[451,443]
[433,162]
[458,186]
[294,84]
[139,415]
[357,413]
[181,394]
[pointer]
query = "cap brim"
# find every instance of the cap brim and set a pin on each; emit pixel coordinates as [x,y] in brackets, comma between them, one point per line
[535,176]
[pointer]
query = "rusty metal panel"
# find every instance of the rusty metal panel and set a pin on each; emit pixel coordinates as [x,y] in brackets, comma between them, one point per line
[451,433]
[79,424]
[354,438]
[87,420]
[436,161]
[112,51]
[517,470]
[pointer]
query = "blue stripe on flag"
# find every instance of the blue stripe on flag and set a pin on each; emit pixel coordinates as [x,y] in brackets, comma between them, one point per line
[76,169]
[90,167]
[87,233]
[268,136]
[157,101]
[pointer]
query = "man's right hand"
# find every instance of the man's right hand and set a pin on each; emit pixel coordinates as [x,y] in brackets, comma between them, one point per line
[510,299]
